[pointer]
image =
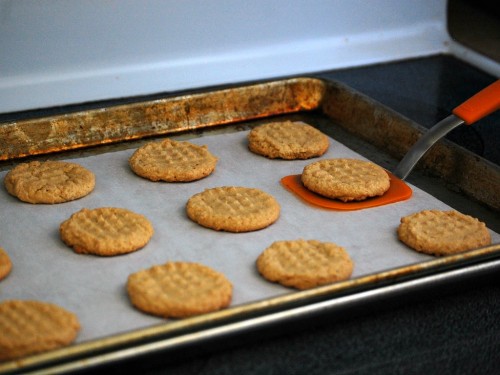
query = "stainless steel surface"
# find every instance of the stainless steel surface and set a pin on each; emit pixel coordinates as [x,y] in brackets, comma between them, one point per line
[425,142]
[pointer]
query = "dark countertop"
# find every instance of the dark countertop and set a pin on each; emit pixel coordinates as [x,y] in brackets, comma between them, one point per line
[426,91]
[448,330]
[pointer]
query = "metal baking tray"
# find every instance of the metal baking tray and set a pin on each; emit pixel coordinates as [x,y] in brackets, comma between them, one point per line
[346,115]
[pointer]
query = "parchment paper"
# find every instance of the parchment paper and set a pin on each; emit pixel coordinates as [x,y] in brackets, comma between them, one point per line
[45,269]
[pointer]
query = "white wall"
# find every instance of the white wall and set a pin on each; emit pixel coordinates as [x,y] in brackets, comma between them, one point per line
[55,52]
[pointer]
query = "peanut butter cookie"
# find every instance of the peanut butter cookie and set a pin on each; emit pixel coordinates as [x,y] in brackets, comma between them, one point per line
[106,231]
[233,209]
[30,327]
[439,233]
[287,140]
[5,264]
[346,179]
[172,161]
[179,290]
[49,182]
[304,264]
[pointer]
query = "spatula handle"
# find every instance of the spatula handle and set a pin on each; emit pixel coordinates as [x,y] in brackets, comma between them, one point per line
[480,105]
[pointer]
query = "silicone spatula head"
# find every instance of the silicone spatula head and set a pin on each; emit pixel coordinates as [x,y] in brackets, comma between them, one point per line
[398,191]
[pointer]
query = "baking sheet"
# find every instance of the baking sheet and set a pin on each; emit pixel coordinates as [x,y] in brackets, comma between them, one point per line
[94,288]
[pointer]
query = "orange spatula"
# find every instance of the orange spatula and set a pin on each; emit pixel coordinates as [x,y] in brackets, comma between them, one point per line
[480,105]
[398,191]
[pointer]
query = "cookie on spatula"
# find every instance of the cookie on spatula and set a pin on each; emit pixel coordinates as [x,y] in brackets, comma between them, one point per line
[31,327]
[346,179]
[438,232]
[179,290]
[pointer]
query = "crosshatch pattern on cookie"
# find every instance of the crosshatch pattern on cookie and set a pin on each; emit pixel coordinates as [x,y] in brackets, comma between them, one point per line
[304,264]
[49,182]
[287,140]
[345,179]
[172,161]
[437,232]
[106,231]
[30,327]
[179,289]
[233,209]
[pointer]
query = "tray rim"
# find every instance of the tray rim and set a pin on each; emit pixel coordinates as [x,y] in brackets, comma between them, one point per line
[67,130]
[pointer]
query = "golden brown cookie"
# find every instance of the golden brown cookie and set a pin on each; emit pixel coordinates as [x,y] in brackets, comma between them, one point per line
[30,327]
[304,264]
[49,182]
[346,179]
[106,231]
[172,161]
[287,140]
[233,209]
[437,232]
[5,264]
[179,290]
